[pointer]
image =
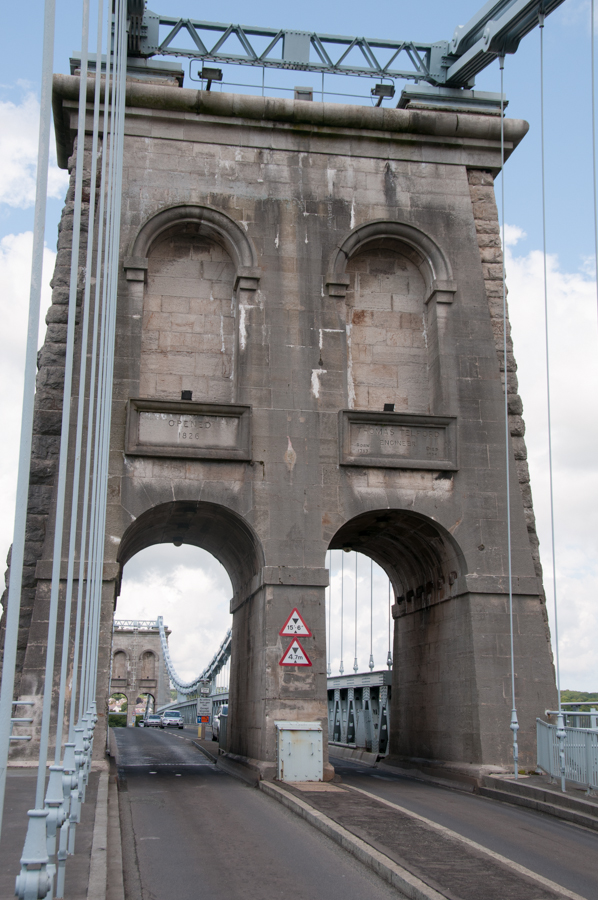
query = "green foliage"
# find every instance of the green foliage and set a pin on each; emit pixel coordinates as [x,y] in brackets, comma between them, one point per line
[138,719]
[573,696]
[117,720]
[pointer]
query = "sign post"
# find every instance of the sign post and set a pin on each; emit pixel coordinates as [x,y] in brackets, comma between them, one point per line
[204,709]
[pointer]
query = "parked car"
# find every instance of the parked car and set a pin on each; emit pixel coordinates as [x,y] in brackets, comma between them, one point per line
[216,722]
[152,721]
[171,718]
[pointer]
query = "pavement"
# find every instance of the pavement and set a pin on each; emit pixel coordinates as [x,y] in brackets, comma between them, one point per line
[20,796]
[557,850]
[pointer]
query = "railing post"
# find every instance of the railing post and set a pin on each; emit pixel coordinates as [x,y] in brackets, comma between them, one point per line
[384,714]
[561,734]
[367,713]
[35,883]
[515,728]
[54,803]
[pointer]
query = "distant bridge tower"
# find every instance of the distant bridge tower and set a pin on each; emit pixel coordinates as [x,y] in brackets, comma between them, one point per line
[138,664]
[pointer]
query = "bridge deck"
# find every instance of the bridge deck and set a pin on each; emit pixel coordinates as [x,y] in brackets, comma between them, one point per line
[204,833]
[185,820]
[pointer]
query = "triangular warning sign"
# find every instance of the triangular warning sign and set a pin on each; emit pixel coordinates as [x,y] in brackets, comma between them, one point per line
[295,625]
[295,655]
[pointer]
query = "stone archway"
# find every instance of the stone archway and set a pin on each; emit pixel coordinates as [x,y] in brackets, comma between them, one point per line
[214,528]
[432,657]
[233,542]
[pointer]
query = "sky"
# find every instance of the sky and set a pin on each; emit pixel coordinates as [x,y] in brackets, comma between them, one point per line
[161,581]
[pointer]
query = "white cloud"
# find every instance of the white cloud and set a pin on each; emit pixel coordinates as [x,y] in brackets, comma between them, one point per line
[513,234]
[191,590]
[15,270]
[573,352]
[19,125]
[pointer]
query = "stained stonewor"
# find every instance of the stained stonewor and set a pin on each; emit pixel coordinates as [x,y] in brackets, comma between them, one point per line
[387,351]
[481,186]
[305,263]
[188,327]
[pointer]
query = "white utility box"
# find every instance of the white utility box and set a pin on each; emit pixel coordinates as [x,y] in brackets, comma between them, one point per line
[299,751]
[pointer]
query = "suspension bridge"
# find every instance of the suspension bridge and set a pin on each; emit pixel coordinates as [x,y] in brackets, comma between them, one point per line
[279,330]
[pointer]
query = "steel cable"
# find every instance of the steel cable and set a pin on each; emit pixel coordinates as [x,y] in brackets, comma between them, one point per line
[371,663]
[81,399]
[514,726]
[547,353]
[22,492]
[341,667]
[355,665]
[328,643]
[77,682]
[62,466]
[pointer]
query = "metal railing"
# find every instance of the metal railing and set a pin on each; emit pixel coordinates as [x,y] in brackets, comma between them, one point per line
[568,753]
[73,636]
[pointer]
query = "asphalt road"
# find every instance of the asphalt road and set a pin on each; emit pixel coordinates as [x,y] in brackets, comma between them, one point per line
[190,831]
[566,854]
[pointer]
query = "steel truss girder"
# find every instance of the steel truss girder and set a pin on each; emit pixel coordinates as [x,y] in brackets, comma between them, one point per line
[295,49]
[495,30]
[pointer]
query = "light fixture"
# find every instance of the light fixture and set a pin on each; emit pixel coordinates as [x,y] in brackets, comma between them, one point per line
[177,541]
[381,91]
[210,75]
[303,93]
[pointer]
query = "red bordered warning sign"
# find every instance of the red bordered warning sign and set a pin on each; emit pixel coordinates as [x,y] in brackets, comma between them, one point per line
[295,625]
[295,655]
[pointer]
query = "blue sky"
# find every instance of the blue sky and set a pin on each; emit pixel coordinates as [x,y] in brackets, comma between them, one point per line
[568,111]
[570,244]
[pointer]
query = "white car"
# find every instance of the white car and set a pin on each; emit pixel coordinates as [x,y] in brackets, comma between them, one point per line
[171,718]
[216,722]
[152,721]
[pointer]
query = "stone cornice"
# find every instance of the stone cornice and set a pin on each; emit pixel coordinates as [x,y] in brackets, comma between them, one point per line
[425,123]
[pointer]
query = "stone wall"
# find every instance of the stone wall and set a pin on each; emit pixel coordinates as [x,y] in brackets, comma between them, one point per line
[388,358]
[481,186]
[188,320]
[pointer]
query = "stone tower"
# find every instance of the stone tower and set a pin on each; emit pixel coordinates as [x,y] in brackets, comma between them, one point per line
[321,282]
[138,665]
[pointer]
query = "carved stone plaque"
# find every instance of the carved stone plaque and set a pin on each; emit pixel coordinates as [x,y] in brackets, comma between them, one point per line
[398,441]
[188,429]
